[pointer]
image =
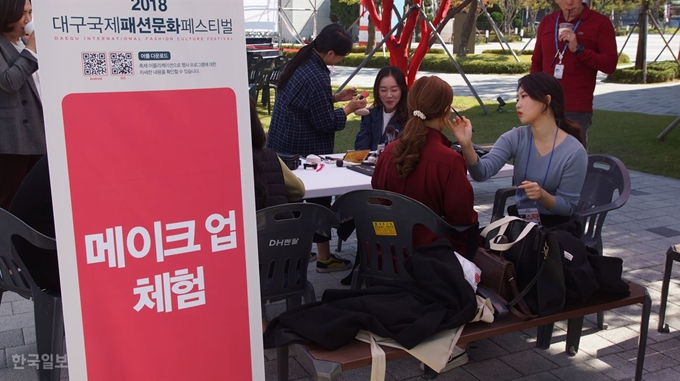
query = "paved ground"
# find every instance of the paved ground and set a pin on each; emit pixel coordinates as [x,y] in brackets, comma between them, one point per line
[640,233]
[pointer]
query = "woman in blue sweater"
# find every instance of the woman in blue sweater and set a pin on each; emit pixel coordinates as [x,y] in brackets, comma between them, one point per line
[389,109]
[549,158]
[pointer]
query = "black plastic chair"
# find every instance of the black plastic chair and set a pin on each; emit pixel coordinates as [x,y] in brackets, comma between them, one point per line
[606,188]
[284,238]
[384,228]
[606,177]
[16,277]
[257,75]
[271,84]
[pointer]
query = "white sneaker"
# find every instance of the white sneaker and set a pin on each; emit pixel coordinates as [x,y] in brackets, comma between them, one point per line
[459,357]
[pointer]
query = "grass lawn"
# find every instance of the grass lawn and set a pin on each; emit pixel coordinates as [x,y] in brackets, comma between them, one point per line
[629,136]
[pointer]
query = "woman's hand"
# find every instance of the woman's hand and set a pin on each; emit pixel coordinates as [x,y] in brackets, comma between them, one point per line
[346,94]
[354,105]
[532,189]
[30,44]
[462,129]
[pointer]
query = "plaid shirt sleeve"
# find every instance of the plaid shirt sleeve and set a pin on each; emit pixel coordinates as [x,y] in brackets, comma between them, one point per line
[304,120]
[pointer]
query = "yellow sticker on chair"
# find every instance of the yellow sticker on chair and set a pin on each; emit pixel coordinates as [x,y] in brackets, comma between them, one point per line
[384,228]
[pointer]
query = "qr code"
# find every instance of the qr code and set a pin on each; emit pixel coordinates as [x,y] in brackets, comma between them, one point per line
[121,63]
[94,63]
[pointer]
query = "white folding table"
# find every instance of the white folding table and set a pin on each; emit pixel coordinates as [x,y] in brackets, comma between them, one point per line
[330,180]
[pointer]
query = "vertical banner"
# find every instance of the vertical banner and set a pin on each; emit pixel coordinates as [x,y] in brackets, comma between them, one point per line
[146,113]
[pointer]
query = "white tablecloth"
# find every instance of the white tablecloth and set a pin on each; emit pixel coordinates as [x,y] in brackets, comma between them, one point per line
[331,180]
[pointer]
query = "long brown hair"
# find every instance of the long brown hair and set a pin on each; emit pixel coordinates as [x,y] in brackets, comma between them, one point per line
[538,85]
[432,97]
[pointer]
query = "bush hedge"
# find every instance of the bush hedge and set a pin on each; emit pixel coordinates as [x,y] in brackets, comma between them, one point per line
[657,72]
[484,63]
[493,61]
[501,51]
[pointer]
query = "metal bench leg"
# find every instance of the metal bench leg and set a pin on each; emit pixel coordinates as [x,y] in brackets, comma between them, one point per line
[671,255]
[600,321]
[574,328]
[282,363]
[642,343]
[544,336]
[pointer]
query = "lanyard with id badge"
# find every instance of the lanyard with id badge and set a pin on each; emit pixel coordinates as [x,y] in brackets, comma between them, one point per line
[531,214]
[559,68]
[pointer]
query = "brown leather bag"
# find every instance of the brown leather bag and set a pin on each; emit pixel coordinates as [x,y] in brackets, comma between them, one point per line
[498,276]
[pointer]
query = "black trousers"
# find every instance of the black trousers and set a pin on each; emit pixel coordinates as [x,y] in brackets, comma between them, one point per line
[323,201]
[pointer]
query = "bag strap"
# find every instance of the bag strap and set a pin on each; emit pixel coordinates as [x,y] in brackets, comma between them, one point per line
[498,223]
[523,307]
[506,246]
[378,361]
[530,285]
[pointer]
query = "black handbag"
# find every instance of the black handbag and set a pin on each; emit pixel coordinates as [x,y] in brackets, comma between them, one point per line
[291,161]
[536,253]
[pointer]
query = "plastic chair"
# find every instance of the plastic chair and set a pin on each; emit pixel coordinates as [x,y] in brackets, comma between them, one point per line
[257,75]
[384,228]
[271,84]
[284,238]
[16,277]
[606,177]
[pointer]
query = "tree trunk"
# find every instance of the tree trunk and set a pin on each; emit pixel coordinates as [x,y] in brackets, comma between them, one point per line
[641,57]
[469,26]
[532,20]
[370,43]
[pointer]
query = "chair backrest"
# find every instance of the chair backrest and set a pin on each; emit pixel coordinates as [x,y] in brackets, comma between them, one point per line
[606,177]
[284,238]
[253,59]
[14,275]
[259,69]
[384,227]
[281,60]
[274,75]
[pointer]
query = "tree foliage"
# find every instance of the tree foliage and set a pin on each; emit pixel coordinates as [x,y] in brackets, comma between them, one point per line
[344,12]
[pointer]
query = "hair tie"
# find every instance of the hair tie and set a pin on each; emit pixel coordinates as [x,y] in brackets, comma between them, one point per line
[419,114]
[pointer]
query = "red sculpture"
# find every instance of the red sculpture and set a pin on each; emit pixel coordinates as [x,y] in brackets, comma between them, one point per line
[398,47]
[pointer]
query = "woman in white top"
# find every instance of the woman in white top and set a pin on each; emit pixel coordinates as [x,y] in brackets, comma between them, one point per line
[22,129]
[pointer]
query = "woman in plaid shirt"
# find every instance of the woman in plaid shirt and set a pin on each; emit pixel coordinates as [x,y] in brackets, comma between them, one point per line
[304,119]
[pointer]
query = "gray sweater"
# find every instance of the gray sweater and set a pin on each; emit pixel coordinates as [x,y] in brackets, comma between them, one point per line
[564,177]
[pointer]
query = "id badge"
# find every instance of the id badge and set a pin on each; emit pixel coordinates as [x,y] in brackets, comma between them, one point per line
[530,214]
[559,71]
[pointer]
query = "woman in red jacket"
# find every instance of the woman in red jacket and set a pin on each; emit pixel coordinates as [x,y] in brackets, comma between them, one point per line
[422,165]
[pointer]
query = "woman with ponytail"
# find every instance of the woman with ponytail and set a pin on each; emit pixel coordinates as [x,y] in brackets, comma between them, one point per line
[422,165]
[304,120]
[549,158]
